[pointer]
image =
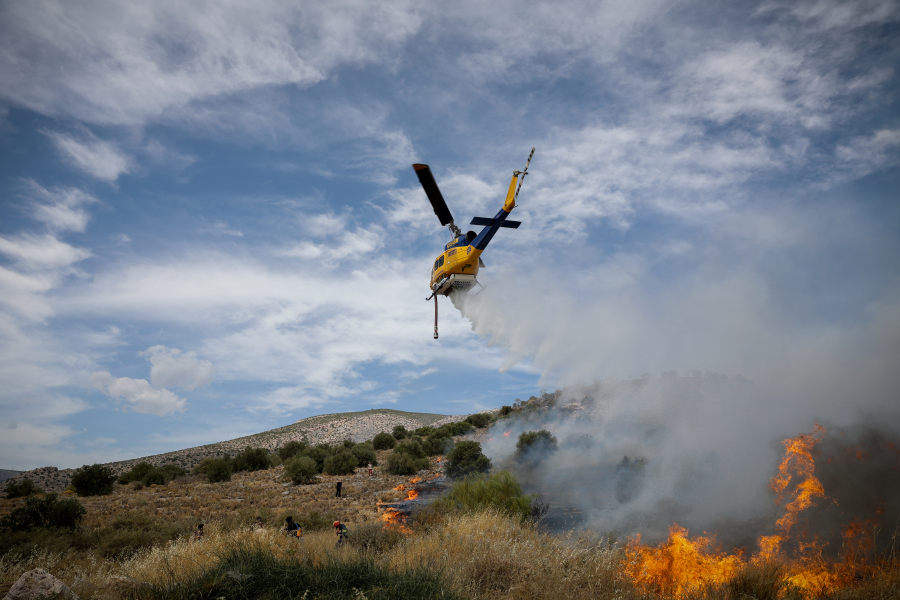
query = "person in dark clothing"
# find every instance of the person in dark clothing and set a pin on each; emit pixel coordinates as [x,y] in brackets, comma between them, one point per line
[341,530]
[337,489]
[292,528]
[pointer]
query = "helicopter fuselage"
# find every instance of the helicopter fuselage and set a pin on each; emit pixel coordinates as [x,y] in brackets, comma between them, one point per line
[455,269]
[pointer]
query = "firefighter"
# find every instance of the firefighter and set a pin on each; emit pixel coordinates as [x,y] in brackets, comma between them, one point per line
[341,530]
[292,528]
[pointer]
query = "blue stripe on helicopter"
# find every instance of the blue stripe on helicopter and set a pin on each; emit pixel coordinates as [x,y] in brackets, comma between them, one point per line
[484,238]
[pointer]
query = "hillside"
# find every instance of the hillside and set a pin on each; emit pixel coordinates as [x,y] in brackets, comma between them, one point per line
[327,429]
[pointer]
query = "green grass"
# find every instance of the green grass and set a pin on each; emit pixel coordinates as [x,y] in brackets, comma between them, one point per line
[254,574]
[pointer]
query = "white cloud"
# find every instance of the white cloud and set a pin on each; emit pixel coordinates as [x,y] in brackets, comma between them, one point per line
[60,208]
[142,397]
[133,61]
[44,251]
[100,159]
[173,368]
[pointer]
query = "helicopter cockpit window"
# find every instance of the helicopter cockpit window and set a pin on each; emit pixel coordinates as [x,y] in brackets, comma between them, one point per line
[441,259]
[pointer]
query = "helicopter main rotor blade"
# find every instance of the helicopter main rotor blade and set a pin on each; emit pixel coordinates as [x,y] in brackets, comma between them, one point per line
[433,193]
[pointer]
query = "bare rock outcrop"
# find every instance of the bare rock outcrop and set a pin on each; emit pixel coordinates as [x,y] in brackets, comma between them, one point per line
[38,583]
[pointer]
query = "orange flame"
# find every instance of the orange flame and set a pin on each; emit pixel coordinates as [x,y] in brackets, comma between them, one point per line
[400,487]
[417,479]
[506,433]
[682,565]
[392,518]
[412,495]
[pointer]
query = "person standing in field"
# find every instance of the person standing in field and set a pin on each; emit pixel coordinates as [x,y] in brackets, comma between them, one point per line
[337,489]
[370,469]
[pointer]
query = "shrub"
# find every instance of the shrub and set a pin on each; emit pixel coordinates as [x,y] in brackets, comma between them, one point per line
[348,444]
[479,420]
[19,490]
[385,441]
[45,512]
[412,447]
[341,462]
[147,474]
[364,455]
[374,537]
[466,458]
[424,431]
[535,445]
[477,492]
[401,463]
[93,480]
[315,521]
[290,449]
[136,473]
[437,443]
[215,469]
[252,459]
[301,469]
[459,428]
[400,433]
[319,454]
[505,411]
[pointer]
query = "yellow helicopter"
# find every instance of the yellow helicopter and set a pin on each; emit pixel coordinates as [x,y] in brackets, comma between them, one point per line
[455,269]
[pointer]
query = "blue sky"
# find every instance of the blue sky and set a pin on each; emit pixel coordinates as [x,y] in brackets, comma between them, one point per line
[210,226]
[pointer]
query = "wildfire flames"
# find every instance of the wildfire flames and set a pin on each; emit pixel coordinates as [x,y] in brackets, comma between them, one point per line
[683,564]
[506,433]
[412,495]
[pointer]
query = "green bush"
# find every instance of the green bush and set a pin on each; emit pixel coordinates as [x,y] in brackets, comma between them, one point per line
[412,447]
[290,449]
[364,455]
[252,459]
[93,480]
[459,427]
[215,469]
[424,431]
[45,512]
[479,420]
[505,411]
[476,492]
[466,458]
[319,454]
[400,433]
[20,490]
[341,462]
[437,443]
[348,444]
[137,473]
[301,469]
[385,441]
[401,463]
[535,445]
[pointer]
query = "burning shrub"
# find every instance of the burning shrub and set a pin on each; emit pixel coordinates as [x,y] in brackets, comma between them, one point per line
[535,445]
[93,480]
[45,512]
[386,441]
[466,458]
[477,492]
[479,420]
[301,469]
[20,490]
[290,449]
[341,462]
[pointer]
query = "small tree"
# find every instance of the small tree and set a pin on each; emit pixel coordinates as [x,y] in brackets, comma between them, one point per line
[215,469]
[24,488]
[384,441]
[45,512]
[93,480]
[137,473]
[505,410]
[535,445]
[301,469]
[466,458]
[341,462]
[252,459]
[402,463]
[364,454]
[479,420]
[459,428]
[400,432]
[290,449]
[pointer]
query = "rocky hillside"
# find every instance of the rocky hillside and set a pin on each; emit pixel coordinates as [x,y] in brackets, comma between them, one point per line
[328,429]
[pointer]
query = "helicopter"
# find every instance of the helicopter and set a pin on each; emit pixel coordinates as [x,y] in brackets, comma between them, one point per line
[455,269]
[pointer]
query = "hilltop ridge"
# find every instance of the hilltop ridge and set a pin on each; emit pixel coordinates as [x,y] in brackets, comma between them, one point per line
[320,429]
